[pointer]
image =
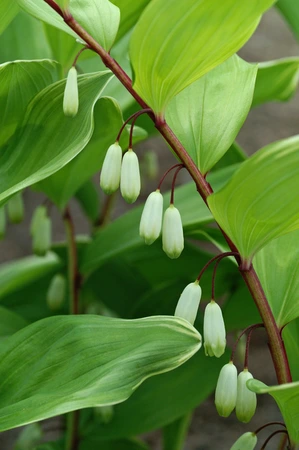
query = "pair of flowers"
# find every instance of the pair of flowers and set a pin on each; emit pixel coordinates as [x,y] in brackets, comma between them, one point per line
[213,326]
[232,392]
[121,171]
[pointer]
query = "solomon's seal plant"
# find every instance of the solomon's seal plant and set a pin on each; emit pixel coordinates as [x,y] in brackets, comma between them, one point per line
[92,326]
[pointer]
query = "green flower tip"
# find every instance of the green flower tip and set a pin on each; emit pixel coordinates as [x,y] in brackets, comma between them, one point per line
[71,95]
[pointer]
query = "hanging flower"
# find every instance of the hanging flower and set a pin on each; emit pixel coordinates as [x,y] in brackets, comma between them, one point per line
[245,442]
[151,219]
[111,169]
[172,233]
[188,303]
[71,95]
[226,390]
[246,399]
[130,177]
[214,330]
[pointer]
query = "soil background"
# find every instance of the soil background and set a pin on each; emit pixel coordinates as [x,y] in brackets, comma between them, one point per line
[264,124]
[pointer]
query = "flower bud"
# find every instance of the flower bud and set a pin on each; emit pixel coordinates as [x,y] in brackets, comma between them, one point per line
[40,230]
[188,303]
[130,177]
[172,233]
[110,174]
[245,442]
[246,399]
[214,330]
[151,218]
[2,222]
[56,292]
[71,95]
[226,390]
[15,208]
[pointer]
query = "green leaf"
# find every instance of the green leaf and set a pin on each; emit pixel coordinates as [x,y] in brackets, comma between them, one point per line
[46,127]
[162,399]
[175,43]
[129,13]
[88,198]
[100,18]
[291,342]
[239,310]
[123,233]
[287,399]
[109,358]
[208,114]
[276,80]
[260,202]
[290,10]
[277,266]
[20,81]
[13,46]
[64,47]
[42,11]
[92,443]
[61,186]
[8,10]
[175,433]
[10,323]
[18,274]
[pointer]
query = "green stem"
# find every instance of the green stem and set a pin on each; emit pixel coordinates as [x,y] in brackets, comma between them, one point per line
[72,428]
[275,341]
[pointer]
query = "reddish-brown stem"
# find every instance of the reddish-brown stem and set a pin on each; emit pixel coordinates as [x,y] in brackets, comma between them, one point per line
[166,173]
[271,436]
[79,53]
[250,328]
[136,114]
[221,256]
[268,425]
[173,183]
[275,342]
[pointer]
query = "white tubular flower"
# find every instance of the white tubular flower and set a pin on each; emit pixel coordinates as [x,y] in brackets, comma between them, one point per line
[130,177]
[71,95]
[172,233]
[246,399]
[214,330]
[245,442]
[151,219]
[188,303]
[110,174]
[56,292]
[226,390]
[41,237]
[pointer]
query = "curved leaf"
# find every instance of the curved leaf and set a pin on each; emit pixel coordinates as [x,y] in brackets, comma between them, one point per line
[277,266]
[276,80]
[129,13]
[175,43]
[20,81]
[291,342]
[260,202]
[48,139]
[287,398]
[18,274]
[290,10]
[109,359]
[208,114]
[8,10]
[10,323]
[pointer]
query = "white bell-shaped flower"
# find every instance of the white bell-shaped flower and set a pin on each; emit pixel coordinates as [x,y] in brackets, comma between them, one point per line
[71,94]
[246,399]
[214,330]
[245,442]
[41,237]
[111,169]
[172,233]
[188,303]
[130,177]
[56,294]
[226,390]
[151,218]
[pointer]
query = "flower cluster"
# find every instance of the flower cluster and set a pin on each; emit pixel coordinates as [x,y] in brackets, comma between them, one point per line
[232,392]
[121,171]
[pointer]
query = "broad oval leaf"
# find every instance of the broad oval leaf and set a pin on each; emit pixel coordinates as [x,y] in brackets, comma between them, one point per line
[48,139]
[129,13]
[73,362]
[20,81]
[277,266]
[290,10]
[260,202]
[175,43]
[10,323]
[287,399]
[276,80]
[208,114]
[100,18]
